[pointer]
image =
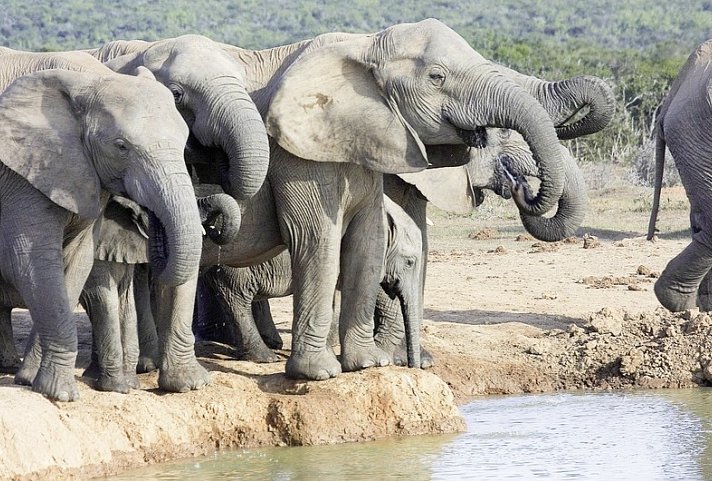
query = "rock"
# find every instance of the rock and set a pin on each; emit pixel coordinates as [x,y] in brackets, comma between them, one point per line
[498,250]
[483,234]
[523,238]
[607,321]
[590,241]
[643,270]
[630,362]
[536,349]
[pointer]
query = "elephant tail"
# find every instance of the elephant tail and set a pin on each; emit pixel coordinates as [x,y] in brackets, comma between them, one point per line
[659,167]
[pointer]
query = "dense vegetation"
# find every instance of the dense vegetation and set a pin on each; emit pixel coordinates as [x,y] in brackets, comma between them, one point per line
[638,45]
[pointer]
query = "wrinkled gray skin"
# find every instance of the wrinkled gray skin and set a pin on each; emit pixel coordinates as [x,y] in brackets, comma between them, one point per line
[684,125]
[83,132]
[333,137]
[208,87]
[119,320]
[239,290]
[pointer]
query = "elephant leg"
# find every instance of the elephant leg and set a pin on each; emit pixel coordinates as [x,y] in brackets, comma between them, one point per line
[128,325]
[9,358]
[100,299]
[314,273]
[179,370]
[262,314]
[678,285]
[704,293]
[235,301]
[361,273]
[30,360]
[147,336]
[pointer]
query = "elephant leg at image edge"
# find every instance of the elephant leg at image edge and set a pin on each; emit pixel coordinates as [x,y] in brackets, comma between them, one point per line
[179,370]
[678,285]
[51,352]
[9,358]
[360,283]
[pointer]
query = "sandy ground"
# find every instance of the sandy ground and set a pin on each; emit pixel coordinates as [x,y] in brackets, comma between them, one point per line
[503,314]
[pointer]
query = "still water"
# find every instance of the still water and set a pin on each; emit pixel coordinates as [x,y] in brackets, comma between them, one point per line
[650,435]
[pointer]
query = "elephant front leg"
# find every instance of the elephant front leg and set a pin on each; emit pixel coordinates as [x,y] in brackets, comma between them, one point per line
[9,358]
[147,336]
[179,370]
[362,261]
[314,274]
[677,287]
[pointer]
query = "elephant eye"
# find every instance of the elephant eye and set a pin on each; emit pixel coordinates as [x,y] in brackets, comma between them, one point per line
[177,93]
[120,144]
[410,263]
[437,76]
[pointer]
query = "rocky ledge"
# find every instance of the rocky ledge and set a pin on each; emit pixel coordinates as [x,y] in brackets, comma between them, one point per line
[246,405]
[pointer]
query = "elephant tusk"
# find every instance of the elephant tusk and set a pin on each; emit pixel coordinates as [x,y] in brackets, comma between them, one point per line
[142,231]
[428,221]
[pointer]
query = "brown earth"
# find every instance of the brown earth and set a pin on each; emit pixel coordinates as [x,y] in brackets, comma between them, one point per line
[504,314]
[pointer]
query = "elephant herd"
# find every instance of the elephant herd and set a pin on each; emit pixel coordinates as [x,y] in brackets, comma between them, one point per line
[137,174]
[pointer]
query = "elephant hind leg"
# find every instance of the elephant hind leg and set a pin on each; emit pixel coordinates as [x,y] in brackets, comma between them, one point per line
[677,287]
[9,358]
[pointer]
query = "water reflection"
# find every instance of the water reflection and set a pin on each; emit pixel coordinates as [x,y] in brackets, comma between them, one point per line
[651,435]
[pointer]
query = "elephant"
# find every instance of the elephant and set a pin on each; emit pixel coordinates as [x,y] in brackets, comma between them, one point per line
[341,110]
[209,90]
[66,139]
[235,290]
[683,125]
[119,308]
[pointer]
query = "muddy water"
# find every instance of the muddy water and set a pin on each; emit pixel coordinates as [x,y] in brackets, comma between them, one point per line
[659,435]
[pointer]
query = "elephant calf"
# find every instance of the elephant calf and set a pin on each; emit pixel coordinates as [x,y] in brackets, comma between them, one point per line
[237,288]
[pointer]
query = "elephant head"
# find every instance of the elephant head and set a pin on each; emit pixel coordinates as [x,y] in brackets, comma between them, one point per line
[578,106]
[379,100]
[403,264]
[209,90]
[70,134]
[505,163]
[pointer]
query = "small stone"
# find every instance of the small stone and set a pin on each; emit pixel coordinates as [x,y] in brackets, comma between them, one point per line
[590,241]
[536,349]
[607,321]
[635,287]
[498,250]
[671,331]
[591,345]
[523,238]
[643,270]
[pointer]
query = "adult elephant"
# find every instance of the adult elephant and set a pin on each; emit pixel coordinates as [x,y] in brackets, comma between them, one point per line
[683,125]
[119,318]
[64,137]
[342,110]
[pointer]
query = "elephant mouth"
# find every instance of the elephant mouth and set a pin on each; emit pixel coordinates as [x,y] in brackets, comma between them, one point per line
[476,138]
[214,228]
[511,180]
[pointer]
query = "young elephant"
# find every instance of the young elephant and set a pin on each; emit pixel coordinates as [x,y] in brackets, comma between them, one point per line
[65,136]
[683,125]
[116,295]
[237,288]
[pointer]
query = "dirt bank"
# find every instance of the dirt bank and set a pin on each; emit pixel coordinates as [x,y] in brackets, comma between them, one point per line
[504,314]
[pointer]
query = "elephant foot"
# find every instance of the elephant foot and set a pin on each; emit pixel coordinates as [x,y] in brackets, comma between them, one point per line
[363,358]
[145,364]
[400,358]
[273,342]
[260,354]
[183,377]
[109,383]
[26,374]
[314,365]
[92,371]
[56,381]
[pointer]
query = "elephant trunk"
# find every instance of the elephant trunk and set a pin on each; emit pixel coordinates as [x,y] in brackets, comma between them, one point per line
[571,209]
[496,101]
[578,106]
[175,233]
[240,132]
[220,215]
[412,320]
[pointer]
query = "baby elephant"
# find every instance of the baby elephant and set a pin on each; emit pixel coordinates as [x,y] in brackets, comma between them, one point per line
[237,288]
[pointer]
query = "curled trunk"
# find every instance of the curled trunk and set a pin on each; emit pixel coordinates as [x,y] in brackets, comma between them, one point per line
[220,215]
[578,106]
[498,101]
[571,207]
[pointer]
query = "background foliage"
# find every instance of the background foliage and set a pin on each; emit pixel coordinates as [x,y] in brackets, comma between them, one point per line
[637,45]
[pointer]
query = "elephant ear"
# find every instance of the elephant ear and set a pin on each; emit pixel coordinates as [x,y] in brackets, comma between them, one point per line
[41,138]
[122,236]
[329,107]
[448,188]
